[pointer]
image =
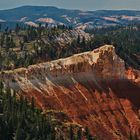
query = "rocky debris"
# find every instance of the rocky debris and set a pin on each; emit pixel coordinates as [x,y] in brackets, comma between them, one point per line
[92,88]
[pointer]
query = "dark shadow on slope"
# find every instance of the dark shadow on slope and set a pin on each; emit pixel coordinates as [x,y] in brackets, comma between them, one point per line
[127,90]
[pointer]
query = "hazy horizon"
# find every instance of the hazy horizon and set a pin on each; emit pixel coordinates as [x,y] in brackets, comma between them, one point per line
[89,5]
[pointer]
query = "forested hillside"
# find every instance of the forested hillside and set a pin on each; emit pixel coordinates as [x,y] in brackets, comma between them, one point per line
[25,46]
[29,45]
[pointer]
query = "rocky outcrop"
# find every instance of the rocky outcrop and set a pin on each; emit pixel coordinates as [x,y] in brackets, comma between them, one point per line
[133,75]
[92,88]
[101,64]
[67,37]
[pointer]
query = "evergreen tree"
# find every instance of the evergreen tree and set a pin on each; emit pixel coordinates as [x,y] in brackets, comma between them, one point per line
[0,27]
[17,28]
[79,134]
[78,39]
[87,134]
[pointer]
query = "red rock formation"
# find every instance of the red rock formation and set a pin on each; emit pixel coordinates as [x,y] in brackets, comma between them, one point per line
[92,88]
[133,75]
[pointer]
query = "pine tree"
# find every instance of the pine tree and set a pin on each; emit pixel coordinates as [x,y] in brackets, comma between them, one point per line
[18,134]
[83,42]
[130,136]
[2,39]
[78,39]
[71,134]
[135,136]
[32,105]
[0,27]
[17,28]
[79,134]
[87,134]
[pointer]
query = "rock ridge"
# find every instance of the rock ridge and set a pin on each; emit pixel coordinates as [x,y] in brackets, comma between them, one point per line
[102,62]
[92,88]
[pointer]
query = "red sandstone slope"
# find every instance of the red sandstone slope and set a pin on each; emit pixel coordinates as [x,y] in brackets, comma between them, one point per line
[91,88]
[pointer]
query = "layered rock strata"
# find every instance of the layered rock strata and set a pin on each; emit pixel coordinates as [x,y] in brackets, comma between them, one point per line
[92,88]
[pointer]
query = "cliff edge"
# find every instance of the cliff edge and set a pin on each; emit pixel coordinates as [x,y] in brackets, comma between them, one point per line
[92,88]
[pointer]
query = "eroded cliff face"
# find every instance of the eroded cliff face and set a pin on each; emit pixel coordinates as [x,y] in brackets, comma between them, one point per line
[92,88]
[133,75]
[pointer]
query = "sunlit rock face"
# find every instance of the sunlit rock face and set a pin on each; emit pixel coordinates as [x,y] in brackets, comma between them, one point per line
[133,75]
[100,64]
[92,88]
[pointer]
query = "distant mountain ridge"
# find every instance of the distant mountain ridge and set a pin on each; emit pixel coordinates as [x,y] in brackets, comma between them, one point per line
[76,18]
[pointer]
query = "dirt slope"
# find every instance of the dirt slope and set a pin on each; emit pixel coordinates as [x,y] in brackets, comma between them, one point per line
[92,88]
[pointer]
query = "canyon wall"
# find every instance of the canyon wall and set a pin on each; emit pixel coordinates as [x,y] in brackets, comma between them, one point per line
[92,88]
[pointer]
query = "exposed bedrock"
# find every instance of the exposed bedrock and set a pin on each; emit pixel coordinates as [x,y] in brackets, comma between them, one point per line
[92,88]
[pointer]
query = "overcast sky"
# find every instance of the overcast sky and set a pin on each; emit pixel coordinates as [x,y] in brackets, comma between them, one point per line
[75,4]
